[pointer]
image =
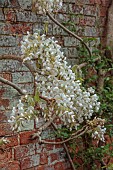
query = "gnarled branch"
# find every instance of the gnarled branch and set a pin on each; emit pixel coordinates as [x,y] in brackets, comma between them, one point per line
[12,85]
[69,32]
[67,140]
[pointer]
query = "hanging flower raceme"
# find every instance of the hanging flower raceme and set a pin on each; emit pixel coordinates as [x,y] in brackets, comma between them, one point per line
[56,80]
[41,6]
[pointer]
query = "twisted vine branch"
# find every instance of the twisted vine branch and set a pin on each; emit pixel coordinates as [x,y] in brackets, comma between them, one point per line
[69,32]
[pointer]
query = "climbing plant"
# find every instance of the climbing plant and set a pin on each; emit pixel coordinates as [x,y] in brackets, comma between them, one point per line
[59,89]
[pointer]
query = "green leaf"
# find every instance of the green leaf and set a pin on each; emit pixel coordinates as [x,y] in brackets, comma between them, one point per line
[36,97]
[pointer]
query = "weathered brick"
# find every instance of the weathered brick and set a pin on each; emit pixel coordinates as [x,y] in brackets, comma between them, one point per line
[2,18]
[23,151]
[6,76]
[50,146]
[4,104]
[30,161]
[18,28]
[65,8]
[26,16]
[72,53]
[26,4]
[9,94]
[89,21]
[9,3]
[76,9]
[11,66]
[72,62]
[8,41]
[39,148]
[63,17]
[49,167]
[40,167]
[3,117]
[103,11]
[91,32]
[57,30]
[13,141]
[53,157]
[70,41]
[10,50]
[59,165]
[25,137]
[43,158]
[11,165]
[10,15]
[5,129]
[90,10]
[22,77]
[5,157]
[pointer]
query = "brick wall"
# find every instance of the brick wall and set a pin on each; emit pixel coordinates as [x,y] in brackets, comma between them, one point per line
[89,20]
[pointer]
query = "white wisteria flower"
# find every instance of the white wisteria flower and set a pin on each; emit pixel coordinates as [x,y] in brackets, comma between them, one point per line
[56,80]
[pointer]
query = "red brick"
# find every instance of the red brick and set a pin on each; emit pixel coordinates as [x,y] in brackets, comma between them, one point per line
[29,162]
[6,76]
[103,11]
[5,156]
[41,167]
[20,28]
[105,3]
[4,103]
[43,158]
[53,156]
[2,91]
[89,21]
[12,165]
[25,163]
[50,146]
[3,117]
[5,129]
[90,10]
[25,137]
[13,141]
[10,15]
[92,2]
[59,165]
[14,3]
[22,151]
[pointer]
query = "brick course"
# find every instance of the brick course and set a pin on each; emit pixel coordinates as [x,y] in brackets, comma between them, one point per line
[89,19]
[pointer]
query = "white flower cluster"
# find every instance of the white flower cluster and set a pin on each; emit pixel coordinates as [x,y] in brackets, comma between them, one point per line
[20,114]
[99,133]
[41,6]
[56,80]
[99,130]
